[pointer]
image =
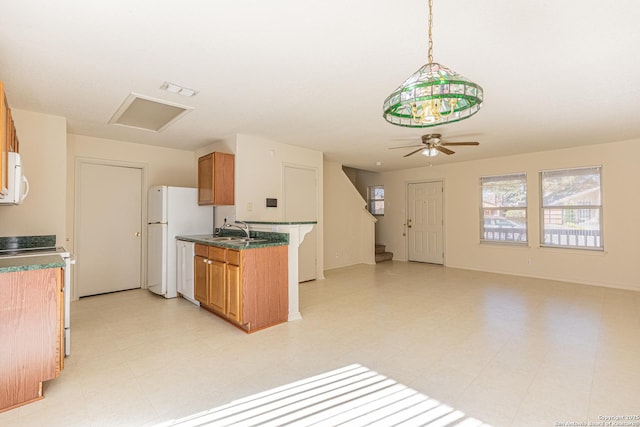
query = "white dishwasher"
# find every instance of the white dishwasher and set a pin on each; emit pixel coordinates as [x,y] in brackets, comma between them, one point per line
[184,261]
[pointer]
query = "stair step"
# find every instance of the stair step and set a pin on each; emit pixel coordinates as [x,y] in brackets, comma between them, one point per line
[380,248]
[384,256]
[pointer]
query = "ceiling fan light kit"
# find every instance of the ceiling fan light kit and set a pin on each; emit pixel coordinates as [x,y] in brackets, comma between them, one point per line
[433,95]
[430,152]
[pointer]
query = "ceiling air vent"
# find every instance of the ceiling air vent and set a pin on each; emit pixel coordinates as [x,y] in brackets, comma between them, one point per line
[142,112]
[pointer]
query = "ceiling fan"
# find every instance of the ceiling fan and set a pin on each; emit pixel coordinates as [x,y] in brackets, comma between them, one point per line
[432,144]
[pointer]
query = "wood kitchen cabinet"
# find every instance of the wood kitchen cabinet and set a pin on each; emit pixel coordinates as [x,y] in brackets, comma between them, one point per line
[8,140]
[234,293]
[4,146]
[216,179]
[201,274]
[31,333]
[217,274]
[248,288]
[212,280]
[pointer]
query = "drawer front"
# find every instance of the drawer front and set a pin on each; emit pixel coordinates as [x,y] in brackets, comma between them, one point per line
[233,257]
[216,253]
[202,250]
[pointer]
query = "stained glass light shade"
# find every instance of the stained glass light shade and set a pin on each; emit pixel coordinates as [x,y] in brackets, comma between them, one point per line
[432,96]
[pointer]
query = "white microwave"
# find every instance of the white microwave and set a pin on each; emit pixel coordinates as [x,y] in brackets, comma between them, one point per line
[17,184]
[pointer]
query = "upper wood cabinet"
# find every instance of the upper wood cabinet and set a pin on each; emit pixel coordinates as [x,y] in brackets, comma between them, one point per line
[4,160]
[216,179]
[8,140]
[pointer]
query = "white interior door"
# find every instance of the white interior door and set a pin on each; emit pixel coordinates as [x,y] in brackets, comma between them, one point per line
[301,204]
[425,222]
[108,219]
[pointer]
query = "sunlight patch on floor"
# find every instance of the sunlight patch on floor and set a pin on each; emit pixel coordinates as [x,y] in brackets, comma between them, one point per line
[349,396]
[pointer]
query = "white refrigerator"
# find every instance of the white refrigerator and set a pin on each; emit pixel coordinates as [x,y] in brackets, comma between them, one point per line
[171,212]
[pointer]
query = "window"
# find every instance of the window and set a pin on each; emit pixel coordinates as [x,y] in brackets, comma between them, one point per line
[571,208]
[376,199]
[503,214]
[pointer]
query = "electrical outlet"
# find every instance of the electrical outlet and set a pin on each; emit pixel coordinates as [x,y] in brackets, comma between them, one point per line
[529,262]
[249,206]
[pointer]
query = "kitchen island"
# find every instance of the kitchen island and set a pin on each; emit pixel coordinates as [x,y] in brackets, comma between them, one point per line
[31,326]
[296,231]
[242,280]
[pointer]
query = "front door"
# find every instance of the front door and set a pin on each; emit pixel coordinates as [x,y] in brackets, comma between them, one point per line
[108,228]
[424,222]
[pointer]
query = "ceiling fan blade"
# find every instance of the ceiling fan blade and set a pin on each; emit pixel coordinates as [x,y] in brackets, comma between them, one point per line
[405,146]
[444,150]
[413,152]
[459,143]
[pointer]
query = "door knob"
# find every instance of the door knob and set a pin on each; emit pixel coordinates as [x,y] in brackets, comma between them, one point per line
[137,234]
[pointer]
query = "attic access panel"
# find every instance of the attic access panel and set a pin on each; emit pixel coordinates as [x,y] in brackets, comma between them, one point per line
[142,112]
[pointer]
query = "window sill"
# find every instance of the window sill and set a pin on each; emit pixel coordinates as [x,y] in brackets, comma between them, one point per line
[505,244]
[574,249]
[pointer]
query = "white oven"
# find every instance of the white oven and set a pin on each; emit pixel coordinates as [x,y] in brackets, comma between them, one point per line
[66,256]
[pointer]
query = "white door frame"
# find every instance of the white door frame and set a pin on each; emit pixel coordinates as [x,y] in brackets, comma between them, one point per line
[406,213]
[76,206]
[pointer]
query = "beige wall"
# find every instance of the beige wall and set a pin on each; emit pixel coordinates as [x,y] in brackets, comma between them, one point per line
[349,227]
[43,141]
[259,173]
[617,266]
[164,166]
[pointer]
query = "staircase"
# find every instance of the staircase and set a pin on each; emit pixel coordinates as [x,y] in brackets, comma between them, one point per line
[381,254]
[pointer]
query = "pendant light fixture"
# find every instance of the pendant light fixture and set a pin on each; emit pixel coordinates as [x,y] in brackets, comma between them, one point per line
[433,95]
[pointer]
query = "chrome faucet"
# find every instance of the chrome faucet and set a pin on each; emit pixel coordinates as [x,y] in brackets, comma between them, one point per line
[245,227]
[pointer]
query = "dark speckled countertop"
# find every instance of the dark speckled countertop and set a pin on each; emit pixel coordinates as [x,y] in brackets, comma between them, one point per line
[270,239]
[26,242]
[25,263]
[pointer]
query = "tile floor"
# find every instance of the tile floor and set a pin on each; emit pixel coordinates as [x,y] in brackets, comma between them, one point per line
[506,350]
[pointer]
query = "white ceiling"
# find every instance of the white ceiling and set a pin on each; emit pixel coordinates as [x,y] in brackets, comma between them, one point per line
[314,73]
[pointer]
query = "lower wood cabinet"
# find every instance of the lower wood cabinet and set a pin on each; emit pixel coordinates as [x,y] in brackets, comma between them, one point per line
[31,333]
[234,293]
[247,288]
[200,275]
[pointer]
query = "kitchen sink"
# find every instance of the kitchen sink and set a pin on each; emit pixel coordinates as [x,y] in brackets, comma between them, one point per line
[235,239]
[253,240]
[223,238]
